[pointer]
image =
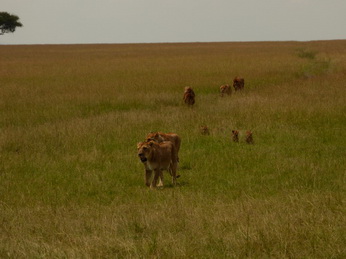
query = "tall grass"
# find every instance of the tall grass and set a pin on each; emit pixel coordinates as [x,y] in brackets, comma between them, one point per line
[72,186]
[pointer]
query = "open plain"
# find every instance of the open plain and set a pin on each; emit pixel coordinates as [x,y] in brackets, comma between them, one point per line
[72,186]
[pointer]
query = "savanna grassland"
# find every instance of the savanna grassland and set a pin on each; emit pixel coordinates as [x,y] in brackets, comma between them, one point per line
[72,186]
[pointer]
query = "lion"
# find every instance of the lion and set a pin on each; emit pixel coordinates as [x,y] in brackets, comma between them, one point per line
[235,135]
[157,157]
[225,89]
[160,137]
[204,130]
[238,83]
[248,137]
[189,96]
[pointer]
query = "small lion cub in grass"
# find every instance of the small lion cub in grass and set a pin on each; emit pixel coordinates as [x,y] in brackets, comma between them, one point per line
[225,90]
[235,135]
[204,130]
[248,136]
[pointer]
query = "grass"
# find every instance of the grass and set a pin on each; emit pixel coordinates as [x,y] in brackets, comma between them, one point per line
[71,184]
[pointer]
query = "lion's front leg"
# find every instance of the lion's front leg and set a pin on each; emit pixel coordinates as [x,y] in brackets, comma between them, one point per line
[148,174]
[160,184]
[158,173]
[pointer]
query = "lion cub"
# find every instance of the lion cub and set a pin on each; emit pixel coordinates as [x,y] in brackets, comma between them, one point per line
[235,135]
[225,89]
[204,130]
[248,136]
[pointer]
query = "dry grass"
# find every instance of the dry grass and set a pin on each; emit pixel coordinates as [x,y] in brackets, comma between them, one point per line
[71,185]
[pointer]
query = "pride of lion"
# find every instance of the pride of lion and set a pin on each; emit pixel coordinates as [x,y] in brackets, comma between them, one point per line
[160,151]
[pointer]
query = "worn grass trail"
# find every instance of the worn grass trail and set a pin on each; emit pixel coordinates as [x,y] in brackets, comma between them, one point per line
[72,186]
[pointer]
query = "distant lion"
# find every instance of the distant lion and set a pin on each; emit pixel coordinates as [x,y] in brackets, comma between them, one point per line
[238,83]
[189,96]
[204,130]
[235,135]
[248,137]
[225,89]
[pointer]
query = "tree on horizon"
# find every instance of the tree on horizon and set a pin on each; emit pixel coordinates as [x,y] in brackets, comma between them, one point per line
[8,23]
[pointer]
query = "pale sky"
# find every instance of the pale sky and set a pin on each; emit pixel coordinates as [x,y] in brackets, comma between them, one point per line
[136,21]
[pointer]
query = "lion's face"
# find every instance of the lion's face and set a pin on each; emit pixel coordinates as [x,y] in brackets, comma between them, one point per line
[144,150]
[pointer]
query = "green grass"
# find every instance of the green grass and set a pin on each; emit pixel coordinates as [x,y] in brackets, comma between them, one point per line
[71,184]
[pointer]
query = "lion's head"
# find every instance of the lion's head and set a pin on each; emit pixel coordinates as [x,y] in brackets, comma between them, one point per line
[144,150]
[155,136]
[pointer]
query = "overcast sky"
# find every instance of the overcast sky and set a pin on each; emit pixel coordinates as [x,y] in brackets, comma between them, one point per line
[134,21]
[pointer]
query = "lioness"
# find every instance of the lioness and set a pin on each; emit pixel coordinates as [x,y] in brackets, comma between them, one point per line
[189,96]
[157,157]
[238,83]
[225,89]
[160,137]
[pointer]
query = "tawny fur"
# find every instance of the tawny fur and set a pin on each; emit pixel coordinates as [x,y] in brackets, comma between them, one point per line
[238,83]
[160,137]
[204,130]
[189,96]
[235,135]
[248,137]
[157,157]
[225,89]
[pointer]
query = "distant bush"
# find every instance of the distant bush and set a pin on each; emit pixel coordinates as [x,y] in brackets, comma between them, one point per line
[309,54]
[315,68]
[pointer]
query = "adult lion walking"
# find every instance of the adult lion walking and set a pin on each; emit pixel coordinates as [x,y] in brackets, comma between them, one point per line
[238,83]
[157,157]
[189,96]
